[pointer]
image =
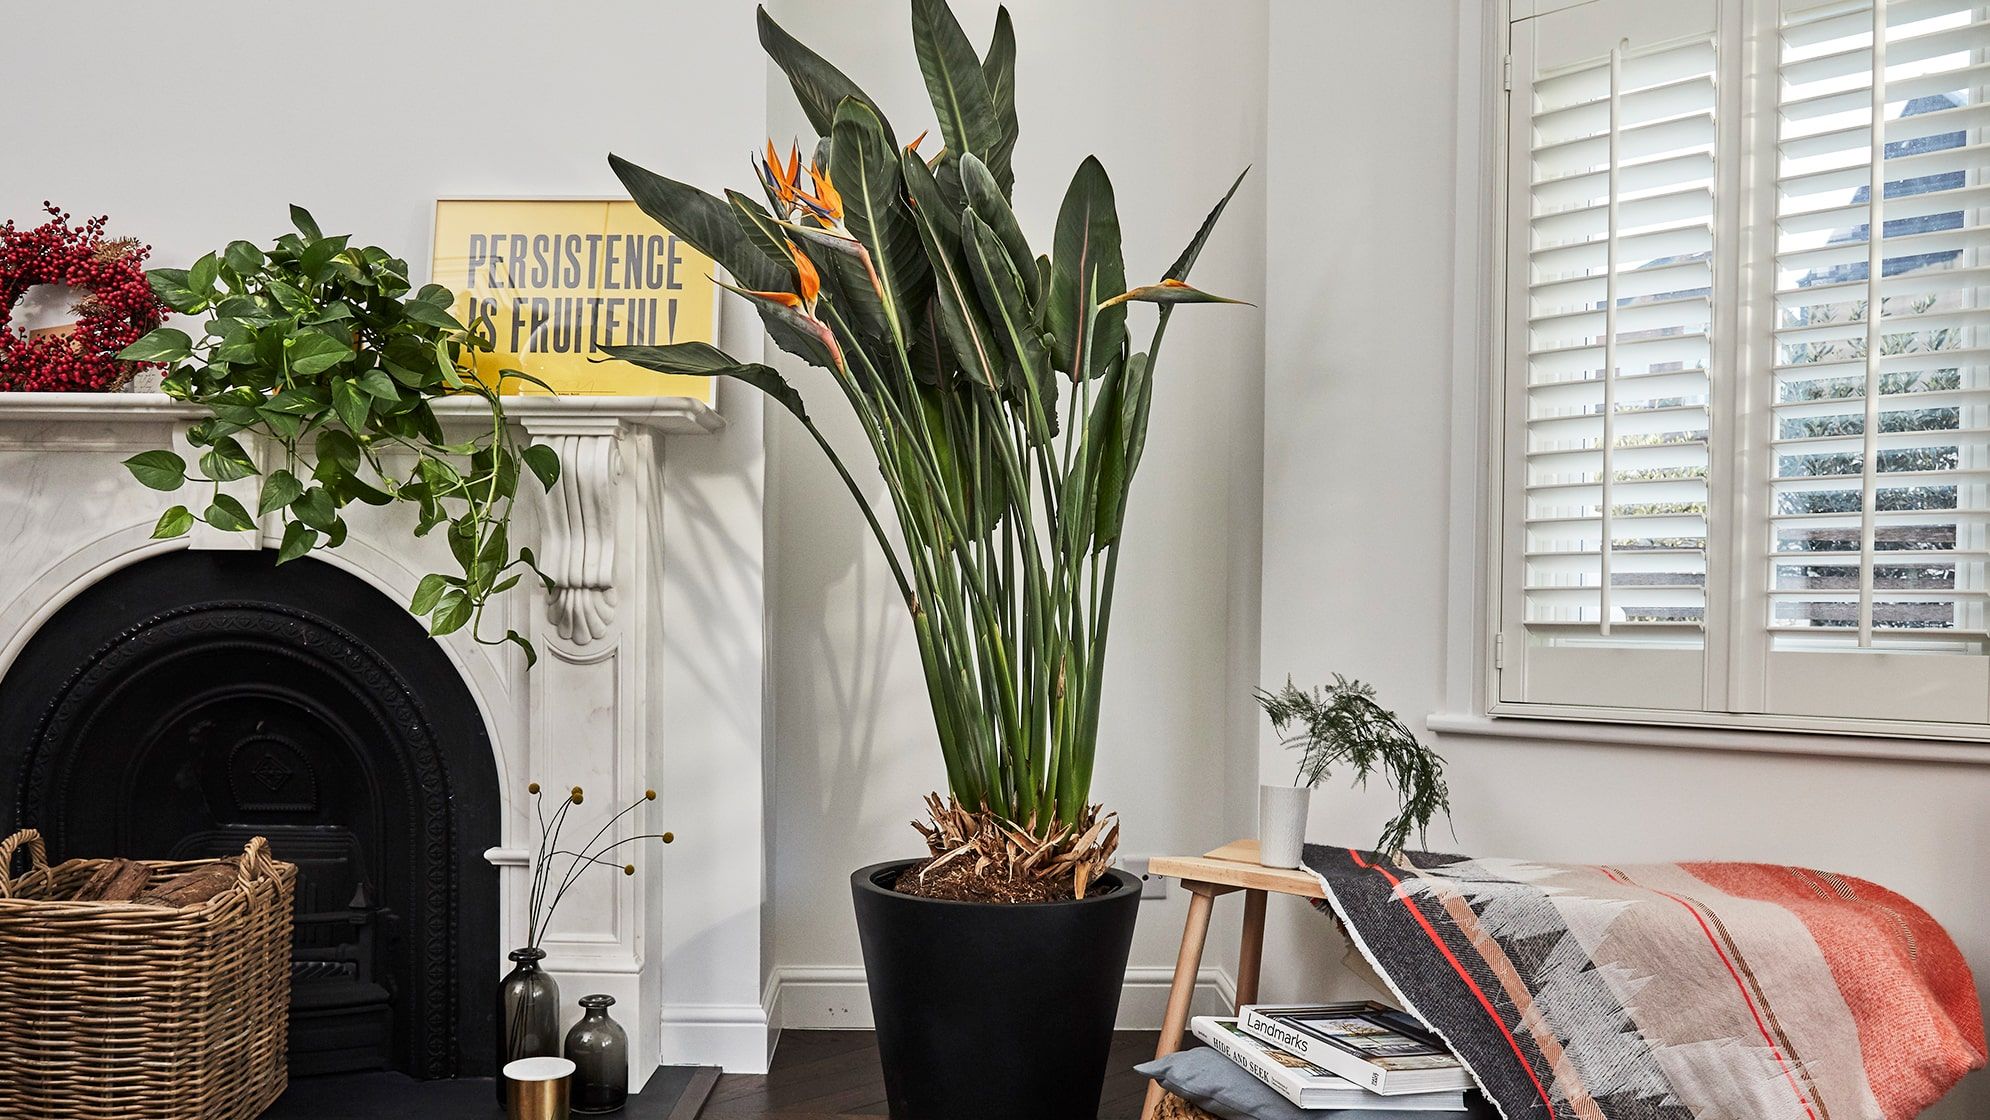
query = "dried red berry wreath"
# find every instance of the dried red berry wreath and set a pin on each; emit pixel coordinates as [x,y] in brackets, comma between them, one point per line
[118,308]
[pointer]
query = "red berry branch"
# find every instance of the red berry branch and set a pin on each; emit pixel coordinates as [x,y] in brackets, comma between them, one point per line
[117,309]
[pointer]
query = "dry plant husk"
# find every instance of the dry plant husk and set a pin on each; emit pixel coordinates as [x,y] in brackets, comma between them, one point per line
[976,855]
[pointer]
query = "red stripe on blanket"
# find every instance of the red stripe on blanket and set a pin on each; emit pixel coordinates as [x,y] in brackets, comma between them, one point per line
[1431,932]
[1738,985]
[1890,961]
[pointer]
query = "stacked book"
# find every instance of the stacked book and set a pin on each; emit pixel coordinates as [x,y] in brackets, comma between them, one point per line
[1341,1055]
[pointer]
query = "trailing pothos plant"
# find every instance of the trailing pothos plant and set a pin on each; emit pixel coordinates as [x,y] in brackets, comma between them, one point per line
[316,349]
[1001,397]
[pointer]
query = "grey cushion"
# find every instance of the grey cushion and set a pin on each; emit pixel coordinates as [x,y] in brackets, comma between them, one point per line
[1218,1085]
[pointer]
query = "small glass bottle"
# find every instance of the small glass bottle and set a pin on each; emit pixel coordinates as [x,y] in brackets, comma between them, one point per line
[528,1013]
[599,1050]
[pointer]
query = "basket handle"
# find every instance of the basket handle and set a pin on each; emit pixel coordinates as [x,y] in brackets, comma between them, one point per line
[37,857]
[256,862]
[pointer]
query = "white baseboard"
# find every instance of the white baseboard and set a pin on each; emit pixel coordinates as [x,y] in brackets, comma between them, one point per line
[833,997]
[735,1037]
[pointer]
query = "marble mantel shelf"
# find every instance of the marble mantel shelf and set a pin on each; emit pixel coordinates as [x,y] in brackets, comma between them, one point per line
[663,414]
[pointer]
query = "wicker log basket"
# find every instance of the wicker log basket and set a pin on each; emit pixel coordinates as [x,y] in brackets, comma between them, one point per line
[1175,1108]
[123,1010]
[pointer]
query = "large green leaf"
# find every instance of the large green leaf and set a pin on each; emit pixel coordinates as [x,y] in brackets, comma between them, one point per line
[1008,309]
[708,223]
[1129,417]
[819,86]
[698,359]
[760,228]
[961,320]
[864,165]
[988,199]
[1085,261]
[998,66]
[956,83]
[1179,269]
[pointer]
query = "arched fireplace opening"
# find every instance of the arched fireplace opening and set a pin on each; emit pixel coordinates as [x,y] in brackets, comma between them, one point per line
[190,701]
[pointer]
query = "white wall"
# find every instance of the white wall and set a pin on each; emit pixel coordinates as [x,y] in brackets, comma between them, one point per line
[1171,97]
[1346,378]
[365,112]
[1362,274]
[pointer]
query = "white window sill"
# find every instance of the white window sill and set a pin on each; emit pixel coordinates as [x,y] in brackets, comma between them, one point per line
[1645,734]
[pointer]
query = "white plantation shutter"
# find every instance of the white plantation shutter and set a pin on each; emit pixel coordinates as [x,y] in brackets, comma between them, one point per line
[1611,244]
[1746,410]
[1877,475]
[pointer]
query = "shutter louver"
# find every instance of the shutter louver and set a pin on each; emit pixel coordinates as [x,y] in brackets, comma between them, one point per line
[1618,270]
[1878,474]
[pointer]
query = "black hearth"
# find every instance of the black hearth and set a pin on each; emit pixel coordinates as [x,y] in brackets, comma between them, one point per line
[186,703]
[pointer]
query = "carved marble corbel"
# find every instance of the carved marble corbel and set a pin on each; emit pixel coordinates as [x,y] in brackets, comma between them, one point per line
[578,548]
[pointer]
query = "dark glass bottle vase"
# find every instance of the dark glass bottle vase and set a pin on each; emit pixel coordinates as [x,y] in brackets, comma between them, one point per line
[528,1013]
[599,1050]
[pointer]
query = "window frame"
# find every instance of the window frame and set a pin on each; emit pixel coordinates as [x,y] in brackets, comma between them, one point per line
[1734,669]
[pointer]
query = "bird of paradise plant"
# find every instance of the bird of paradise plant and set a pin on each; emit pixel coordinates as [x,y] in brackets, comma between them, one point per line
[1001,397]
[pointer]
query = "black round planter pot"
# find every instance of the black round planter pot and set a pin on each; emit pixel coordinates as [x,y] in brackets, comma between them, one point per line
[993,1011]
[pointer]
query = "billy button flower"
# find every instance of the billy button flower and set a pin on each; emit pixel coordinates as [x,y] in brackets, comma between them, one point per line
[550,880]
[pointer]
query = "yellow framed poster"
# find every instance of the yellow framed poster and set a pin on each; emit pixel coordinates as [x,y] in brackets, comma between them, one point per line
[550,282]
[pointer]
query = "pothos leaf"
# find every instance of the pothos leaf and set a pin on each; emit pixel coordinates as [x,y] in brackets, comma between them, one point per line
[427,593]
[451,612]
[531,654]
[279,490]
[298,539]
[173,523]
[544,463]
[160,470]
[227,513]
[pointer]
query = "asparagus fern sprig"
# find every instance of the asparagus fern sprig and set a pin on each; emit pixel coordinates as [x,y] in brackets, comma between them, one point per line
[1341,724]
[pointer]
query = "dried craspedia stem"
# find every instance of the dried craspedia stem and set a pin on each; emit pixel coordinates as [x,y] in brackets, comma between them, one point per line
[1006,851]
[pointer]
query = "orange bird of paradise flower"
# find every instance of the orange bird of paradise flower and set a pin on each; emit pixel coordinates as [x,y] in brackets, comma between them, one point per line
[783,182]
[806,278]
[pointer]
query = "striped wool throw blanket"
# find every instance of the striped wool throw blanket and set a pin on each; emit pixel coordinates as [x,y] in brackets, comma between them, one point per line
[1675,991]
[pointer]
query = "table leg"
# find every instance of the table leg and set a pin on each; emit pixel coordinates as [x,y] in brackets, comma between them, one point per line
[1250,957]
[1187,964]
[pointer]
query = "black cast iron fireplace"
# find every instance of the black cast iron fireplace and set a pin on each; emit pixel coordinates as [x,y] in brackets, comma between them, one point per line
[195,699]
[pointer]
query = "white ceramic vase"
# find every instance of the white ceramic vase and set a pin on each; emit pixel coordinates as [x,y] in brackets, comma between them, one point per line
[1282,824]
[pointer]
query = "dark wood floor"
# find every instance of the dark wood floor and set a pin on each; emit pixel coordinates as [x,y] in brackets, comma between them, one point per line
[828,1075]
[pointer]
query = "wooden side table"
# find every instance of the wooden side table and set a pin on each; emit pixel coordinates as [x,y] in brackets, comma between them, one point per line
[1232,867]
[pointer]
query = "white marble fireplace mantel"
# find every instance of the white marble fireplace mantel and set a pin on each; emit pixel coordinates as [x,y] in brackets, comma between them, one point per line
[592,713]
